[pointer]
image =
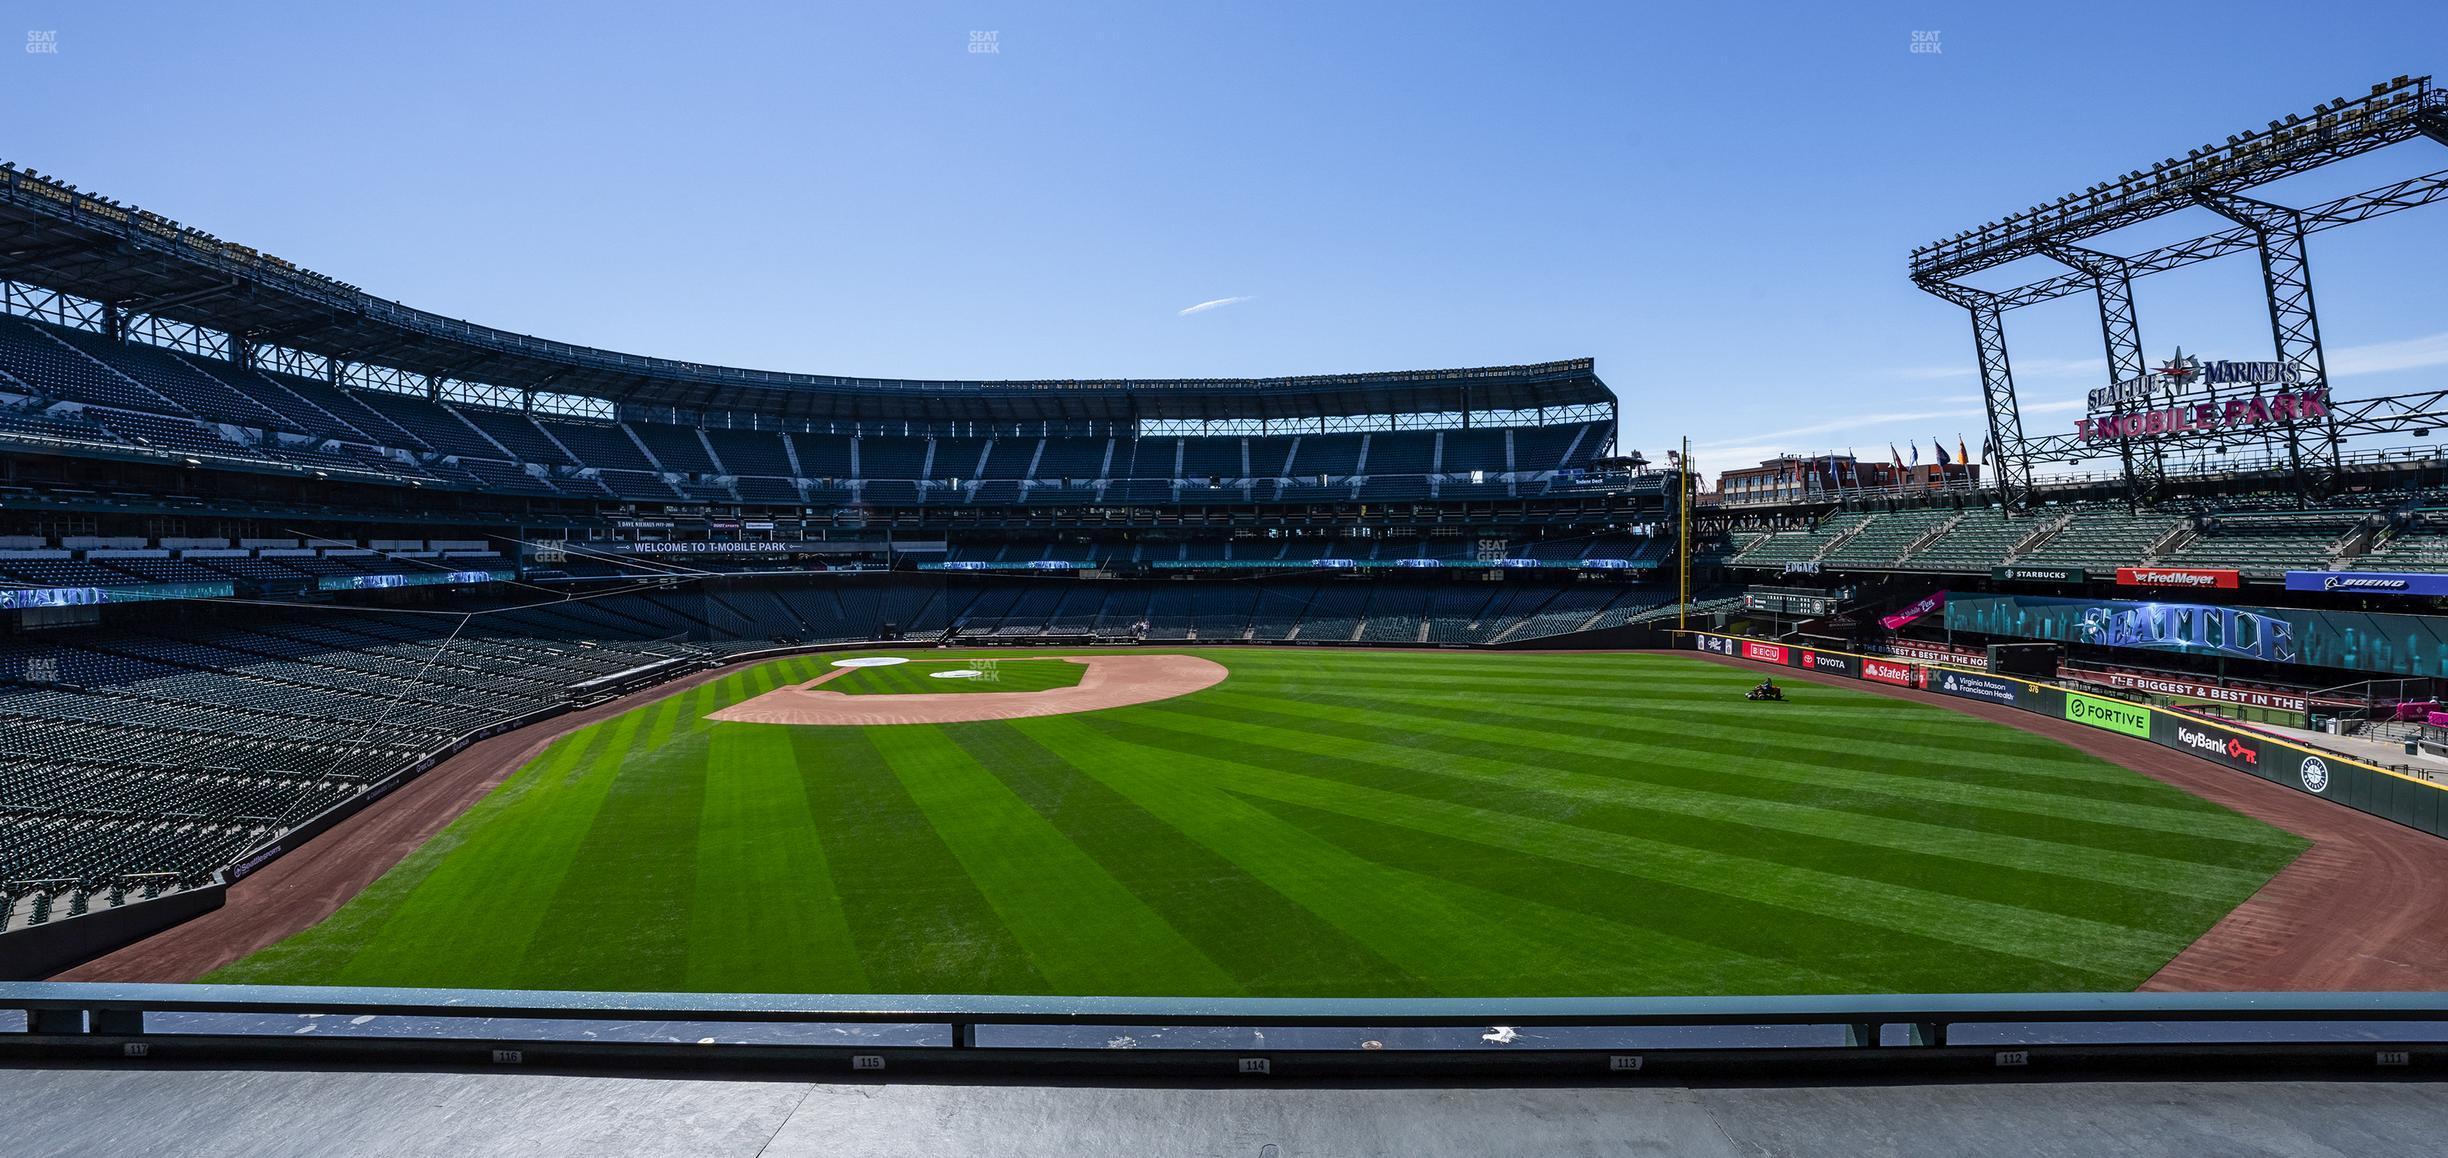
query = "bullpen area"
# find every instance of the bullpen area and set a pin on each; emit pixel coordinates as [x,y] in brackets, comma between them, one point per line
[1320,822]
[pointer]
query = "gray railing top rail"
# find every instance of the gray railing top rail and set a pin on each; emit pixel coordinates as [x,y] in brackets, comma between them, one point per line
[1228,1011]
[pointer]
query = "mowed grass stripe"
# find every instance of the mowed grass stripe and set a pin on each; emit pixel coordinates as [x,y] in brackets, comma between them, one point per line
[1850,957]
[1277,945]
[766,917]
[1501,756]
[2135,890]
[1701,755]
[1323,823]
[1970,924]
[328,949]
[1447,939]
[468,922]
[644,840]
[2032,764]
[919,922]
[1712,695]
[1264,941]
[1083,930]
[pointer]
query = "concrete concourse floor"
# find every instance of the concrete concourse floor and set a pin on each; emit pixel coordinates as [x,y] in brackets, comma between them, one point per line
[267,1113]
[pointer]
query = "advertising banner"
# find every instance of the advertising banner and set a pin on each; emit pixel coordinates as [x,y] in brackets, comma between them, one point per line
[2407,800]
[410,579]
[2390,643]
[1933,652]
[2110,715]
[2039,574]
[2368,582]
[1764,652]
[2011,693]
[1914,610]
[2238,750]
[1887,672]
[21,598]
[2182,578]
[2192,689]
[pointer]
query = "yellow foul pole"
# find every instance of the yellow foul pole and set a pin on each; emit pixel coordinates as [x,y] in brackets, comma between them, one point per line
[1683,498]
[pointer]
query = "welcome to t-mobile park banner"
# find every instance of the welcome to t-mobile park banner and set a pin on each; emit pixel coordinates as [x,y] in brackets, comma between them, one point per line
[2394,796]
[1914,610]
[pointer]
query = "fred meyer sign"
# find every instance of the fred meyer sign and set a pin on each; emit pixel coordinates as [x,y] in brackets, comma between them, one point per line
[2368,582]
[2181,577]
[2112,715]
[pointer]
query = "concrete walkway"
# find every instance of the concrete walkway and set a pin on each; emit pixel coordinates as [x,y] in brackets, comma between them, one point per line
[264,1114]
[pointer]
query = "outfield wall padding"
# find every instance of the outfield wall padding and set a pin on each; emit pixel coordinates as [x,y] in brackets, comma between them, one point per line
[2382,792]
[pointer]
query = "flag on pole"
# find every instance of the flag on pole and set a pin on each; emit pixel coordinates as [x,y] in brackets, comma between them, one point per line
[1939,445]
[1895,454]
[1916,449]
[1960,455]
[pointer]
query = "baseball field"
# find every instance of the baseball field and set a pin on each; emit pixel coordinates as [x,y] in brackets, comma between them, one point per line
[1321,822]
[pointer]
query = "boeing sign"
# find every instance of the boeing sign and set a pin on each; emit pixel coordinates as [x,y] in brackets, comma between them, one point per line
[2368,582]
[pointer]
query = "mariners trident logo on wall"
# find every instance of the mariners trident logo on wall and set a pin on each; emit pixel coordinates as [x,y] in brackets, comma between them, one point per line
[2315,774]
[2180,371]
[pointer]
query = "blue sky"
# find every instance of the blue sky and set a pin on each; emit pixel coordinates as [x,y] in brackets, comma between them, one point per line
[1715,204]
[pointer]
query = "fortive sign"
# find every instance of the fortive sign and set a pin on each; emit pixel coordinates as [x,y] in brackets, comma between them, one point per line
[2368,582]
[2187,577]
[2198,417]
[2111,715]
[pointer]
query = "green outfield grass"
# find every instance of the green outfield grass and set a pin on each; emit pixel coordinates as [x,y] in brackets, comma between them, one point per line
[1003,674]
[1321,823]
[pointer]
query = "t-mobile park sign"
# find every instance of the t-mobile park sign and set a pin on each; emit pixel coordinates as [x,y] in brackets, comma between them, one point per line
[2282,409]
[2294,402]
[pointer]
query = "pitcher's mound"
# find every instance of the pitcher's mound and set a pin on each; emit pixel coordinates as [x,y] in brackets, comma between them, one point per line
[1111,681]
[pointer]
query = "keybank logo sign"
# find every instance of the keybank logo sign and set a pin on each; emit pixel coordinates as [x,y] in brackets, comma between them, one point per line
[2111,715]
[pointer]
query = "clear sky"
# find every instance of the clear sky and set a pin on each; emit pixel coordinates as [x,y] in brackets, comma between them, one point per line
[1715,202]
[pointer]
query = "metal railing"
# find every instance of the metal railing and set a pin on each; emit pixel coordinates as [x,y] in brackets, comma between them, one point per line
[1585,1038]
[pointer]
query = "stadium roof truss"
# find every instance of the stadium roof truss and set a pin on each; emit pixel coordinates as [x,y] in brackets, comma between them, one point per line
[2215,178]
[103,263]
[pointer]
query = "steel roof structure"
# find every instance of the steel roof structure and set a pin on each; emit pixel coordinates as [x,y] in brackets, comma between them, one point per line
[140,263]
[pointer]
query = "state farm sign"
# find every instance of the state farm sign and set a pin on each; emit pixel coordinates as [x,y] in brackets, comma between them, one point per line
[1887,673]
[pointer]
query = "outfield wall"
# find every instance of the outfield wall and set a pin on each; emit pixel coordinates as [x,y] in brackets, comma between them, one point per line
[2390,795]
